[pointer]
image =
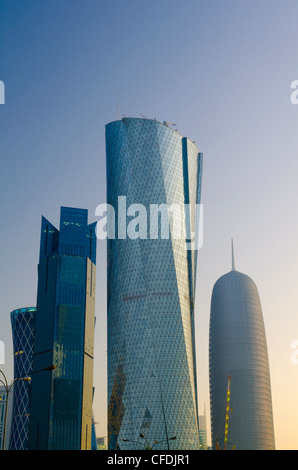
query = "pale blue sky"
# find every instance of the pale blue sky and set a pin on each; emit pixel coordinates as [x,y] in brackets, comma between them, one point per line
[219,69]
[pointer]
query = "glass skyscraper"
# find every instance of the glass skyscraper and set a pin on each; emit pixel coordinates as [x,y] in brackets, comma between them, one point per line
[61,400]
[23,334]
[152,386]
[238,349]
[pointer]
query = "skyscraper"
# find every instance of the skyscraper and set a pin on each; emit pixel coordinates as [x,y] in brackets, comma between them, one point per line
[238,349]
[61,400]
[152,387]
[23,334]
[203,430]
[5,429]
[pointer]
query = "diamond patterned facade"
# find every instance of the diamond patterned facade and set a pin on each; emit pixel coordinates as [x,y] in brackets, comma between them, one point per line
[238,349]
[23,333]
[151,289]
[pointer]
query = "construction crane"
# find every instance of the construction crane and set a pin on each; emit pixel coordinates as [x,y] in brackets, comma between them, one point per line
[227,413]
[227,419]
[166,123]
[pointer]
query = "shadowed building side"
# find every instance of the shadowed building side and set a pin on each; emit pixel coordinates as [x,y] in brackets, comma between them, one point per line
[61,400]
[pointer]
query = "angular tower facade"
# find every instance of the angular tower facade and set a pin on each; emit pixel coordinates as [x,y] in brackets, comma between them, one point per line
[238,349]
[61,400]
[23,334]
[151,286]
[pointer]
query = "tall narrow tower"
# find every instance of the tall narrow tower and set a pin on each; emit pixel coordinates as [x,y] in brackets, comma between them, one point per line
[238,349]
[23,334]
[151,288]
[61,400]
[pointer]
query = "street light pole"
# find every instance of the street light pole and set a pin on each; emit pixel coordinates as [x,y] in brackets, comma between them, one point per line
[8,388]
[147,445]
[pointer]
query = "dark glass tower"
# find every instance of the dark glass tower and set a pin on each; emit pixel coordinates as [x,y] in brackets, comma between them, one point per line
[238,349]
[23,334]
[151,288]
[61,400]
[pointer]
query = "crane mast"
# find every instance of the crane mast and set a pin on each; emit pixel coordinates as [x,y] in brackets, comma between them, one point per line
[227,413]
[227,418]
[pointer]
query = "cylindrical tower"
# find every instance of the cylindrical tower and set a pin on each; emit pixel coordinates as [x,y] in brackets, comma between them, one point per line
[151,285]
[23,334]
[238,349]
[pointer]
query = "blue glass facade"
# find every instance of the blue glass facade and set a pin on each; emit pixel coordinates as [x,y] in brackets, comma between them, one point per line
[238,349]
[151,289]
[61,400]
[23,334]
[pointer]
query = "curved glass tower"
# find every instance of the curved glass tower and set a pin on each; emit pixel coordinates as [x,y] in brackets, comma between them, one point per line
[23,334]
[238,349]
[151,286]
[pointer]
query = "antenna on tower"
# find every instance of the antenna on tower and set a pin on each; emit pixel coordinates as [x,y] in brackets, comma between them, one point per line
[117,108]
[233,257]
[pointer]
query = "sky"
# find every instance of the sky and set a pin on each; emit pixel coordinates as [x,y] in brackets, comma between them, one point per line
[222,71]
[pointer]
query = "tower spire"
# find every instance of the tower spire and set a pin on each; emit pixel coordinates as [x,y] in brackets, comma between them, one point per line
[233,257]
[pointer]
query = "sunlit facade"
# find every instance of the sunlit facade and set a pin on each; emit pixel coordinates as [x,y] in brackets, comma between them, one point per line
[61,400]
[238,350]
[23,334]
[152,386]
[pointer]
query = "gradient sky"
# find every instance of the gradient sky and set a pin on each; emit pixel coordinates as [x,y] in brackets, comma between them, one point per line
[222,71]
